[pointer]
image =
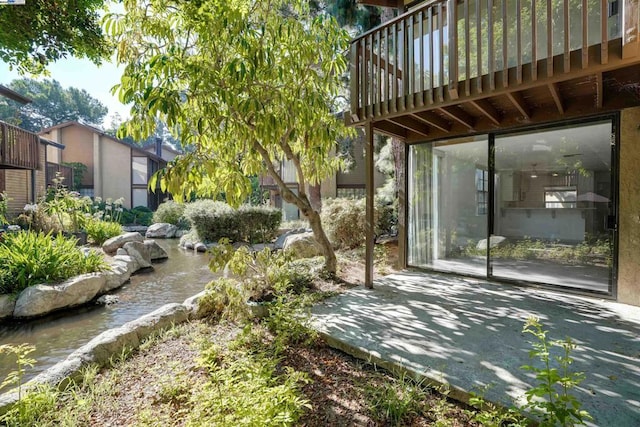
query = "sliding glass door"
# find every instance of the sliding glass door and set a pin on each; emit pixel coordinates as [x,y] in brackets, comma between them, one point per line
[448,205]
[534,206]
[553,201]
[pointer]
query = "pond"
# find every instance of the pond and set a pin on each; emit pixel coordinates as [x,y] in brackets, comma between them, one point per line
[183,275]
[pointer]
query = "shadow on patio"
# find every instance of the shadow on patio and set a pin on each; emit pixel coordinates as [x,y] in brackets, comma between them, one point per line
[468,333]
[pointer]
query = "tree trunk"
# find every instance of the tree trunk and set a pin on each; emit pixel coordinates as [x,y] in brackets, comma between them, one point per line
[303,204]
[315,197]
[397,148]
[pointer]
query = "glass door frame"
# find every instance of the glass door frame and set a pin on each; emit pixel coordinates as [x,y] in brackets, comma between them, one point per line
[614,118]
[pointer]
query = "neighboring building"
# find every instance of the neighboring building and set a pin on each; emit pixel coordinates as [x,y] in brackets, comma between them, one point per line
[115,168]
[350,183]
[25,170]
[163,150]
[521,129]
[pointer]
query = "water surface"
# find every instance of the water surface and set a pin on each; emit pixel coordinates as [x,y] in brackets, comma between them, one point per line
[56,336]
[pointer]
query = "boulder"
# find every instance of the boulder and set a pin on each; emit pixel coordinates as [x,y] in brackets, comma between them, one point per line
[107,300]
[161,230]
[493,242]
[279,243]
[155,250]
[139,252]
[117,276]
[38,300]
[7,305]
[122,251]
[132,264]
[302,245]
[200,247]
[112,245]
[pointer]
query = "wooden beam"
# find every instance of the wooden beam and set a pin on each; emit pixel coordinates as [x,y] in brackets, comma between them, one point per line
[518,101]
[411,124]
[391,129]
[557,97]
[459,115]
[395,4]
[599,101]
[369,221]
[433,120]
[487,109]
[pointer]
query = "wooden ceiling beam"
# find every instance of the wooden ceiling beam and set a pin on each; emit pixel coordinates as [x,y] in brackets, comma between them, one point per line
[557,96]
[390,129]
[485,107]
[396,4]
[459,115]
[599,98]
[433,120]
[518,101]
[411,124]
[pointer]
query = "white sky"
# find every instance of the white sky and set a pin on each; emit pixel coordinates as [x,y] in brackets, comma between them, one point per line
[82,74]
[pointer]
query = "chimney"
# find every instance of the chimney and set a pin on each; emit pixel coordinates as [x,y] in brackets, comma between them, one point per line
[158,146]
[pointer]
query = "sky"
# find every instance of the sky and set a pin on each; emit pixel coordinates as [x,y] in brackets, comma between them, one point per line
[82,74]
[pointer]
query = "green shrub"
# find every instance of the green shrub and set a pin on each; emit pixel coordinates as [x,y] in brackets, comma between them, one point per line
[172,213]
[140,215]
[213,220]
[29,258]
[258,223]
[99,231]
[344,221]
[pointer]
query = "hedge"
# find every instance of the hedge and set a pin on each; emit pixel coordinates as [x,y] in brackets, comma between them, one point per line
[213,220]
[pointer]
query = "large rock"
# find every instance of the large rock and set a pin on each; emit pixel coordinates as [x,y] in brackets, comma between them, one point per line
[156,251]
[279,243]
[38,300]
[132,264]
[161,230]
[120,272]
[302,245]
[494,241]
[112,245]
[7,304]
[139,252]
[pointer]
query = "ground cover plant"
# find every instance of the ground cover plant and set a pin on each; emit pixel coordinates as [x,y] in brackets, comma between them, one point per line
[29,258]
[235,369]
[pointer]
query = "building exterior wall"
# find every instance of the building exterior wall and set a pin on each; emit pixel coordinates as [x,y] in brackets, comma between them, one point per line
[18,189]
[115,157]
[629,208]
[41,173]
[78,144]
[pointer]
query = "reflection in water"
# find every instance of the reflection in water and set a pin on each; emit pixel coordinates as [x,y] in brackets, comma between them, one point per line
[56,336]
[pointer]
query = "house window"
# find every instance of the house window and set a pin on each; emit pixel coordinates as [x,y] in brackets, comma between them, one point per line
[139,170]
[482,191]
[86,191]
[560,197]
[350,193]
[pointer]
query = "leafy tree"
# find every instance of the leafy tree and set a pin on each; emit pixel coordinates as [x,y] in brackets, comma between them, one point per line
[245,83]
[52,104]
[43,31]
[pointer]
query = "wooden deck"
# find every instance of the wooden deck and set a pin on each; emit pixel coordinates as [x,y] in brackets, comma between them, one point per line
[18,148]
[455,67]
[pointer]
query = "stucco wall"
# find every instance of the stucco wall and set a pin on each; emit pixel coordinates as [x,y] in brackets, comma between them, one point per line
[78,148]
[629,221]
[116,170]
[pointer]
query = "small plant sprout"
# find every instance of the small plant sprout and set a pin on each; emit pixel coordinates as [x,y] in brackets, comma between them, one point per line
[23,361]
[551,398]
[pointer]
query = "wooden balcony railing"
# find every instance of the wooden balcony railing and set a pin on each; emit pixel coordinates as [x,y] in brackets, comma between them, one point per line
[445,50]
[18,148]
[66,172]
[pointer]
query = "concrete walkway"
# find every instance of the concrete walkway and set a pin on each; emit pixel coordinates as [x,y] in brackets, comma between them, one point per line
[468,333]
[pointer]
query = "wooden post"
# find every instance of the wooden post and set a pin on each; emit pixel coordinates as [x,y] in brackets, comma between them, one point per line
[630,28]
[369,223]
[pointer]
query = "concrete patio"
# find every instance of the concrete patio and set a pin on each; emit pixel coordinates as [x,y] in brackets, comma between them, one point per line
[468,333]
